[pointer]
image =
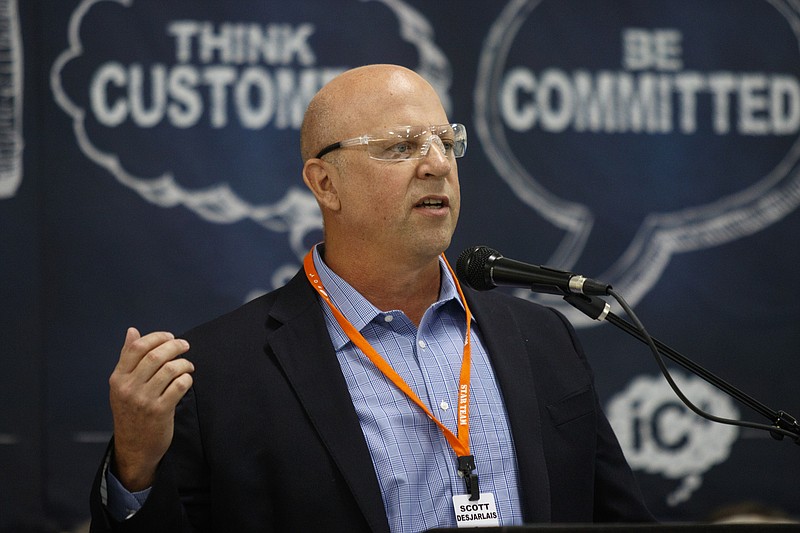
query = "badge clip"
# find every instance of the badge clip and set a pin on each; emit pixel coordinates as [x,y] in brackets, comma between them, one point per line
[466,466]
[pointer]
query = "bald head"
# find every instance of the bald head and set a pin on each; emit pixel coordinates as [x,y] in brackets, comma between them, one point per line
[364,97]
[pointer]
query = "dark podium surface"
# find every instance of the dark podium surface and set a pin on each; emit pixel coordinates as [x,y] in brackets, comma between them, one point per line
[629,528]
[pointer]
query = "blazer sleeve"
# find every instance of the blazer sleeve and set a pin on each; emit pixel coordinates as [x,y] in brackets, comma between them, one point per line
[164,511]
[572,468]
[617,496]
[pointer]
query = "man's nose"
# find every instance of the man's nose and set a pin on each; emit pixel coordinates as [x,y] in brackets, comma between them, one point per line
[435,162]
[434,140]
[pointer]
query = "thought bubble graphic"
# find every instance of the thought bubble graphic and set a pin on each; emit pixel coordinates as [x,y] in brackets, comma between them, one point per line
[669,153]
[233,91]
[11,142]
[660,435]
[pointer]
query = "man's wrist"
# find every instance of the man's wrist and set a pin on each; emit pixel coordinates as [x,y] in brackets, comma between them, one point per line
[133,479]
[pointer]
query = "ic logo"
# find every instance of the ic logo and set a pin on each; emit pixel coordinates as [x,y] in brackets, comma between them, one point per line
[660,435]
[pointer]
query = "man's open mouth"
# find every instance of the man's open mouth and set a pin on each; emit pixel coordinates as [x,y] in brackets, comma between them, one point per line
[432,203]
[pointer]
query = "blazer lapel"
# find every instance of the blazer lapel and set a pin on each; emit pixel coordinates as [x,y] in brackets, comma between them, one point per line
[302,346]
[510,360]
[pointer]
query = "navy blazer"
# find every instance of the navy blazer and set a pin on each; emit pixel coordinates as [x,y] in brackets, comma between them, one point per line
[267,438]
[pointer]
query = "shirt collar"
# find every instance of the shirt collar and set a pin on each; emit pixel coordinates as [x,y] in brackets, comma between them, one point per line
[357,309]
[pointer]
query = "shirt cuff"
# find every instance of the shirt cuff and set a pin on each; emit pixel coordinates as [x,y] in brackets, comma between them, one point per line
[121,503]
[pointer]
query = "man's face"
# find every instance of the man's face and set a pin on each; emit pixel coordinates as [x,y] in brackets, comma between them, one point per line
[405,208]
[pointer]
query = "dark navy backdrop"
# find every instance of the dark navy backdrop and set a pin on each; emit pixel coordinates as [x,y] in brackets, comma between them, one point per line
[150,176]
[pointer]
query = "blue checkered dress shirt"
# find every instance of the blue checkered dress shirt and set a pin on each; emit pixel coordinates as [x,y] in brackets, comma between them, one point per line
[415,465]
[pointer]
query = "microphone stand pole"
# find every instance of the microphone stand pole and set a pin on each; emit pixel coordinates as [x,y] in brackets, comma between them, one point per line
[598,309]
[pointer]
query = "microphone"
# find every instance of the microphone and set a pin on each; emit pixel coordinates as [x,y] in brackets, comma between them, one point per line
[483,268]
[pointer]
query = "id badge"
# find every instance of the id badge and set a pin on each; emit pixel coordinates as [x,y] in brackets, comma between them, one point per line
[479,513]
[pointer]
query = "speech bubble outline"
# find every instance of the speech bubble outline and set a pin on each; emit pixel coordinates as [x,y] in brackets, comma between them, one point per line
[661,235]
[297,212]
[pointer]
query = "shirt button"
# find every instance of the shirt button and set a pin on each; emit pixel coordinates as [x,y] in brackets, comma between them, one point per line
[444,405]
[422,344]
[388,318]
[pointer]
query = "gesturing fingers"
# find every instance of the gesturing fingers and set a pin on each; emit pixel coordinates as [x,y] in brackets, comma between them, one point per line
[171,380]
[149,367]
[147,354]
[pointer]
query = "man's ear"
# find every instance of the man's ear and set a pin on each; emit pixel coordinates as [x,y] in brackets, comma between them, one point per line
[321,177]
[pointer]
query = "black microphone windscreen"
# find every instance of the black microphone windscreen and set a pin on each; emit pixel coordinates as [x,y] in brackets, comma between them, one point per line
[471,267]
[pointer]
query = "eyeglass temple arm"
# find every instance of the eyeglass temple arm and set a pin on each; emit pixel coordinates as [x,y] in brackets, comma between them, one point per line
[328,149]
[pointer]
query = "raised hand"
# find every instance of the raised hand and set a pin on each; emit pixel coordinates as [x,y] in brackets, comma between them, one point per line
[148,382]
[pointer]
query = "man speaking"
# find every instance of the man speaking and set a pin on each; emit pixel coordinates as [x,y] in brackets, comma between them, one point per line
[372,392]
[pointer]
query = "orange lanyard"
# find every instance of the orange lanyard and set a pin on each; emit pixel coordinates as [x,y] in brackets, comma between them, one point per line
[460,443]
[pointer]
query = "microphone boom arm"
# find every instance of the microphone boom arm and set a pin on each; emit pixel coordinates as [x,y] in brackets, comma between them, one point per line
[783,424]
[483,268]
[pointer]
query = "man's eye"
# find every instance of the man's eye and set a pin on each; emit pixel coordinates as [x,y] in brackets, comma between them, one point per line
[400,150]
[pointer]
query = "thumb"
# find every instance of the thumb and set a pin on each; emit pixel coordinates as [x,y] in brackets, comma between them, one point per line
[131,335]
